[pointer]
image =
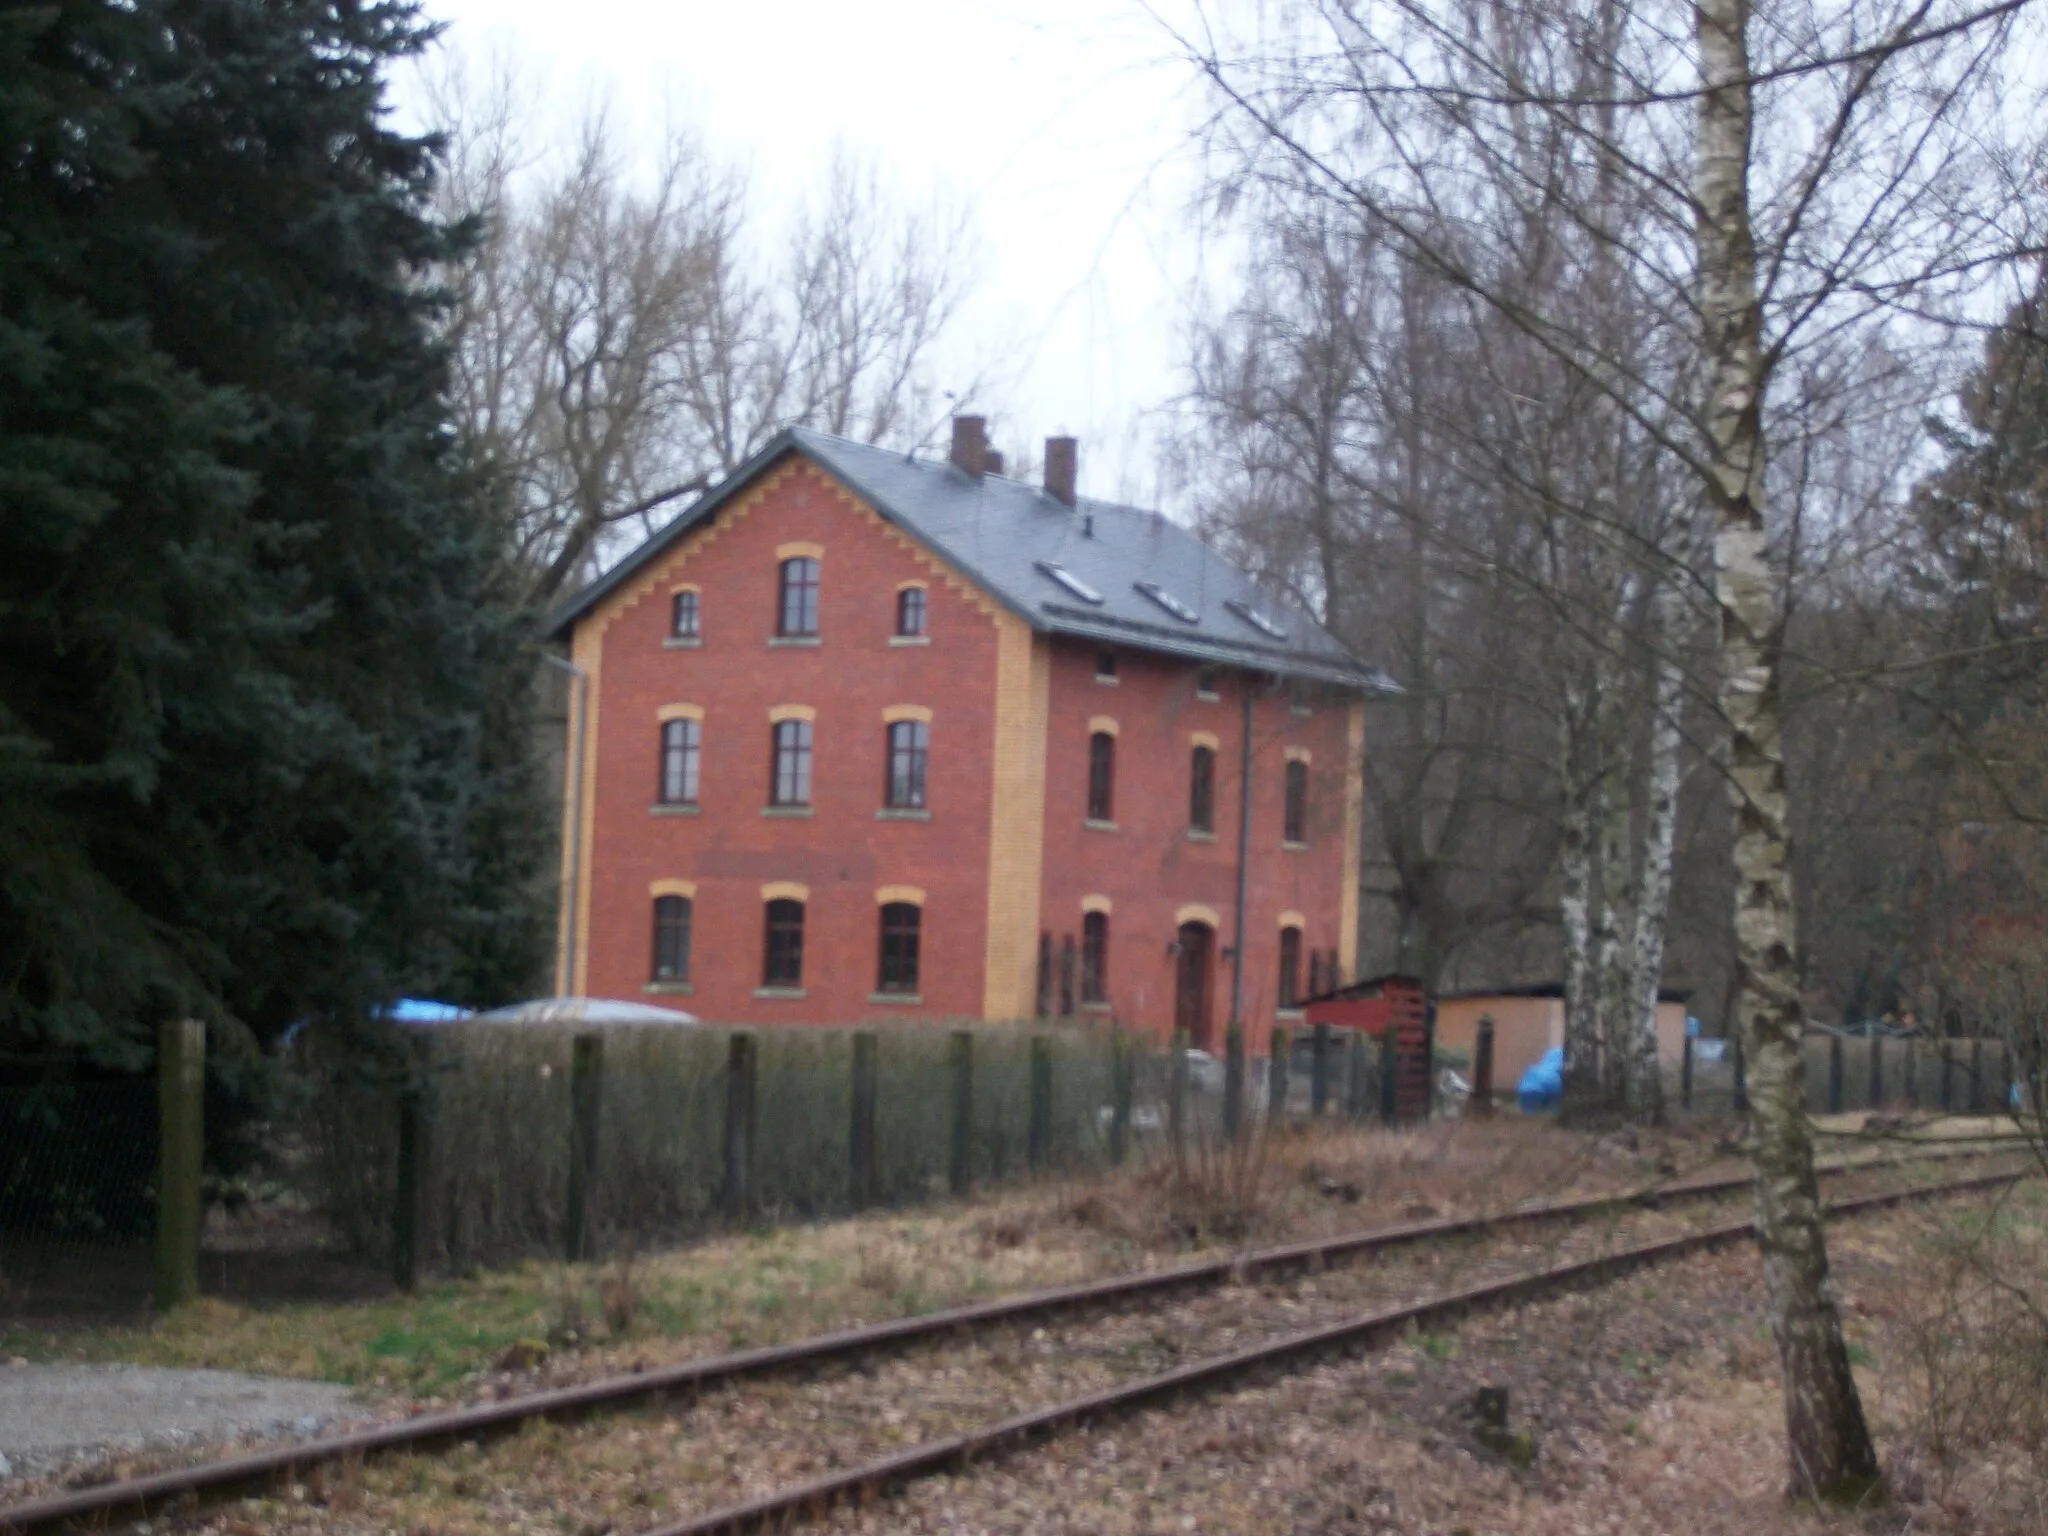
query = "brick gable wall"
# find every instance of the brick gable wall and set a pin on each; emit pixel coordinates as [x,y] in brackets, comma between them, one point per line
[842,853]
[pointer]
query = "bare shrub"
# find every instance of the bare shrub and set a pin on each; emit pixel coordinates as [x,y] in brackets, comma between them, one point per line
[1973,1332]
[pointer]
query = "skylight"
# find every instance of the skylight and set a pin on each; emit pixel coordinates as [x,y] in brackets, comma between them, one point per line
[1168,601]
[1069,580]
[1256,619]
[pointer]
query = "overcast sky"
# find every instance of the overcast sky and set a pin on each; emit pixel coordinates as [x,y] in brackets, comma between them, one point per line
[1063,123]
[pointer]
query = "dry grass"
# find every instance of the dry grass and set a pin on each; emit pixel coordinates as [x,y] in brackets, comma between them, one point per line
[1604,1381]
[543,1321]
[741,1440]
[1585,1371]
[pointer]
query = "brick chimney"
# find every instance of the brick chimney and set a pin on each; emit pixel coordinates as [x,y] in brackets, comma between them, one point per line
[970,444]
[1062,455]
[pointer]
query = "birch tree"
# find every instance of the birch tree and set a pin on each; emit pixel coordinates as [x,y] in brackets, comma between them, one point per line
[1809,170]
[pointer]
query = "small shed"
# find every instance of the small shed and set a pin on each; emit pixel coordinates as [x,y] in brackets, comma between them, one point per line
[1373,1007]
[1529,1020]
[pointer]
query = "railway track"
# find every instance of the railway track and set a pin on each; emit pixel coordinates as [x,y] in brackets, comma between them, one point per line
[1113,1361]
[784,1508]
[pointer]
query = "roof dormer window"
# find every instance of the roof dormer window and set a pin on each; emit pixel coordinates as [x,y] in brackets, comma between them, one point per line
[1259,621]
[1168,601]
[1069,580]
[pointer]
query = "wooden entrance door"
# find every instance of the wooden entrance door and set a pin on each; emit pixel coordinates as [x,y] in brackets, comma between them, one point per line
[1191,984]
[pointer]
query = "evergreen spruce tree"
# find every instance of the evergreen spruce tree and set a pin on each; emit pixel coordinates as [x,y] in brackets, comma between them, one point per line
[265,749]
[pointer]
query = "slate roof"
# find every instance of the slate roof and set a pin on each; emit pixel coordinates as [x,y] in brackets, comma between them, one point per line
[1005,534]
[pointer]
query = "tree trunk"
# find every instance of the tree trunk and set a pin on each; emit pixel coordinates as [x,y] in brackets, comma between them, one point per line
[1614,963]
[1832,1456]
[1574,908]
[1653,894]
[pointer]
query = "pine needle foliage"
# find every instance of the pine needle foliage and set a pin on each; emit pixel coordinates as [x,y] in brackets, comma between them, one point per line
[264,739]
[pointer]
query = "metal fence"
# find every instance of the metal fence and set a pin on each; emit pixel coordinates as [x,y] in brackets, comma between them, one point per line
[77,1188]
[480,1146]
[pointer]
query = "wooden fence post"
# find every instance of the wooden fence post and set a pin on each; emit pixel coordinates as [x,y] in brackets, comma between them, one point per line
[405,1213]
[860,1137]
[1355,1105]
[1834,1074]
[960,1175]
[741,1063]
[1685,1076]
[1390,1074]
[1233,1081]
[586,1082]
[1482,1069]
[181,1147]
[1948,1072]
[1977,1077]
[1319,1071]
[1276,1078]
[1121,1078]
[1877,1071]
[1038,1142]
[1741,1078]
[1912,1070]
[2005,1082]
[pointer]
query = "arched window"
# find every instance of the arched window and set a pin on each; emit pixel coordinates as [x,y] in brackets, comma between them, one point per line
[1296,830]
[910,611]
[681,741]
[789,768]
[1101,777]
[798,612]
[682,616]
[671,939]
[782,952]
[909,749]
[901,922]
[1095,957]
[1202,791]
[1290,967]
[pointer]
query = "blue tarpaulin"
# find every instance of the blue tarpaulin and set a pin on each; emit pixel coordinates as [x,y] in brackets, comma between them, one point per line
[1543,1084]
[418,1010]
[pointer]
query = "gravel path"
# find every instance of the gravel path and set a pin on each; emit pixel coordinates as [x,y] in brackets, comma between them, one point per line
[52,1416]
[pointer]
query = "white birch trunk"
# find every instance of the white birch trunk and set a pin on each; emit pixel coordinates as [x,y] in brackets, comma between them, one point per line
[1828,1442]
[1574,908]
[1653,892]
[1613,961]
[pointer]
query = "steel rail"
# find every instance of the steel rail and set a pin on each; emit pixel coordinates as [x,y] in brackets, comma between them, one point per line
[138,1496]
[787,1507]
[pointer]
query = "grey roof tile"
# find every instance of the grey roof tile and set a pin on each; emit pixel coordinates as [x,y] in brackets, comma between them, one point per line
[1161,589]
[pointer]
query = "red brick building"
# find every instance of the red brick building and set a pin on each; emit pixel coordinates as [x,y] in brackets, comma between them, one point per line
[864,736]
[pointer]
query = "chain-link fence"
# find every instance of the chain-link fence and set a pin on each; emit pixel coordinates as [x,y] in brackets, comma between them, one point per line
[498,1118]
[77,1191]
[475,1145]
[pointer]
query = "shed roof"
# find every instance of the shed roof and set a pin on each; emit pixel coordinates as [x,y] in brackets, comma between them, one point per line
[1096,571]
[1545,989]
